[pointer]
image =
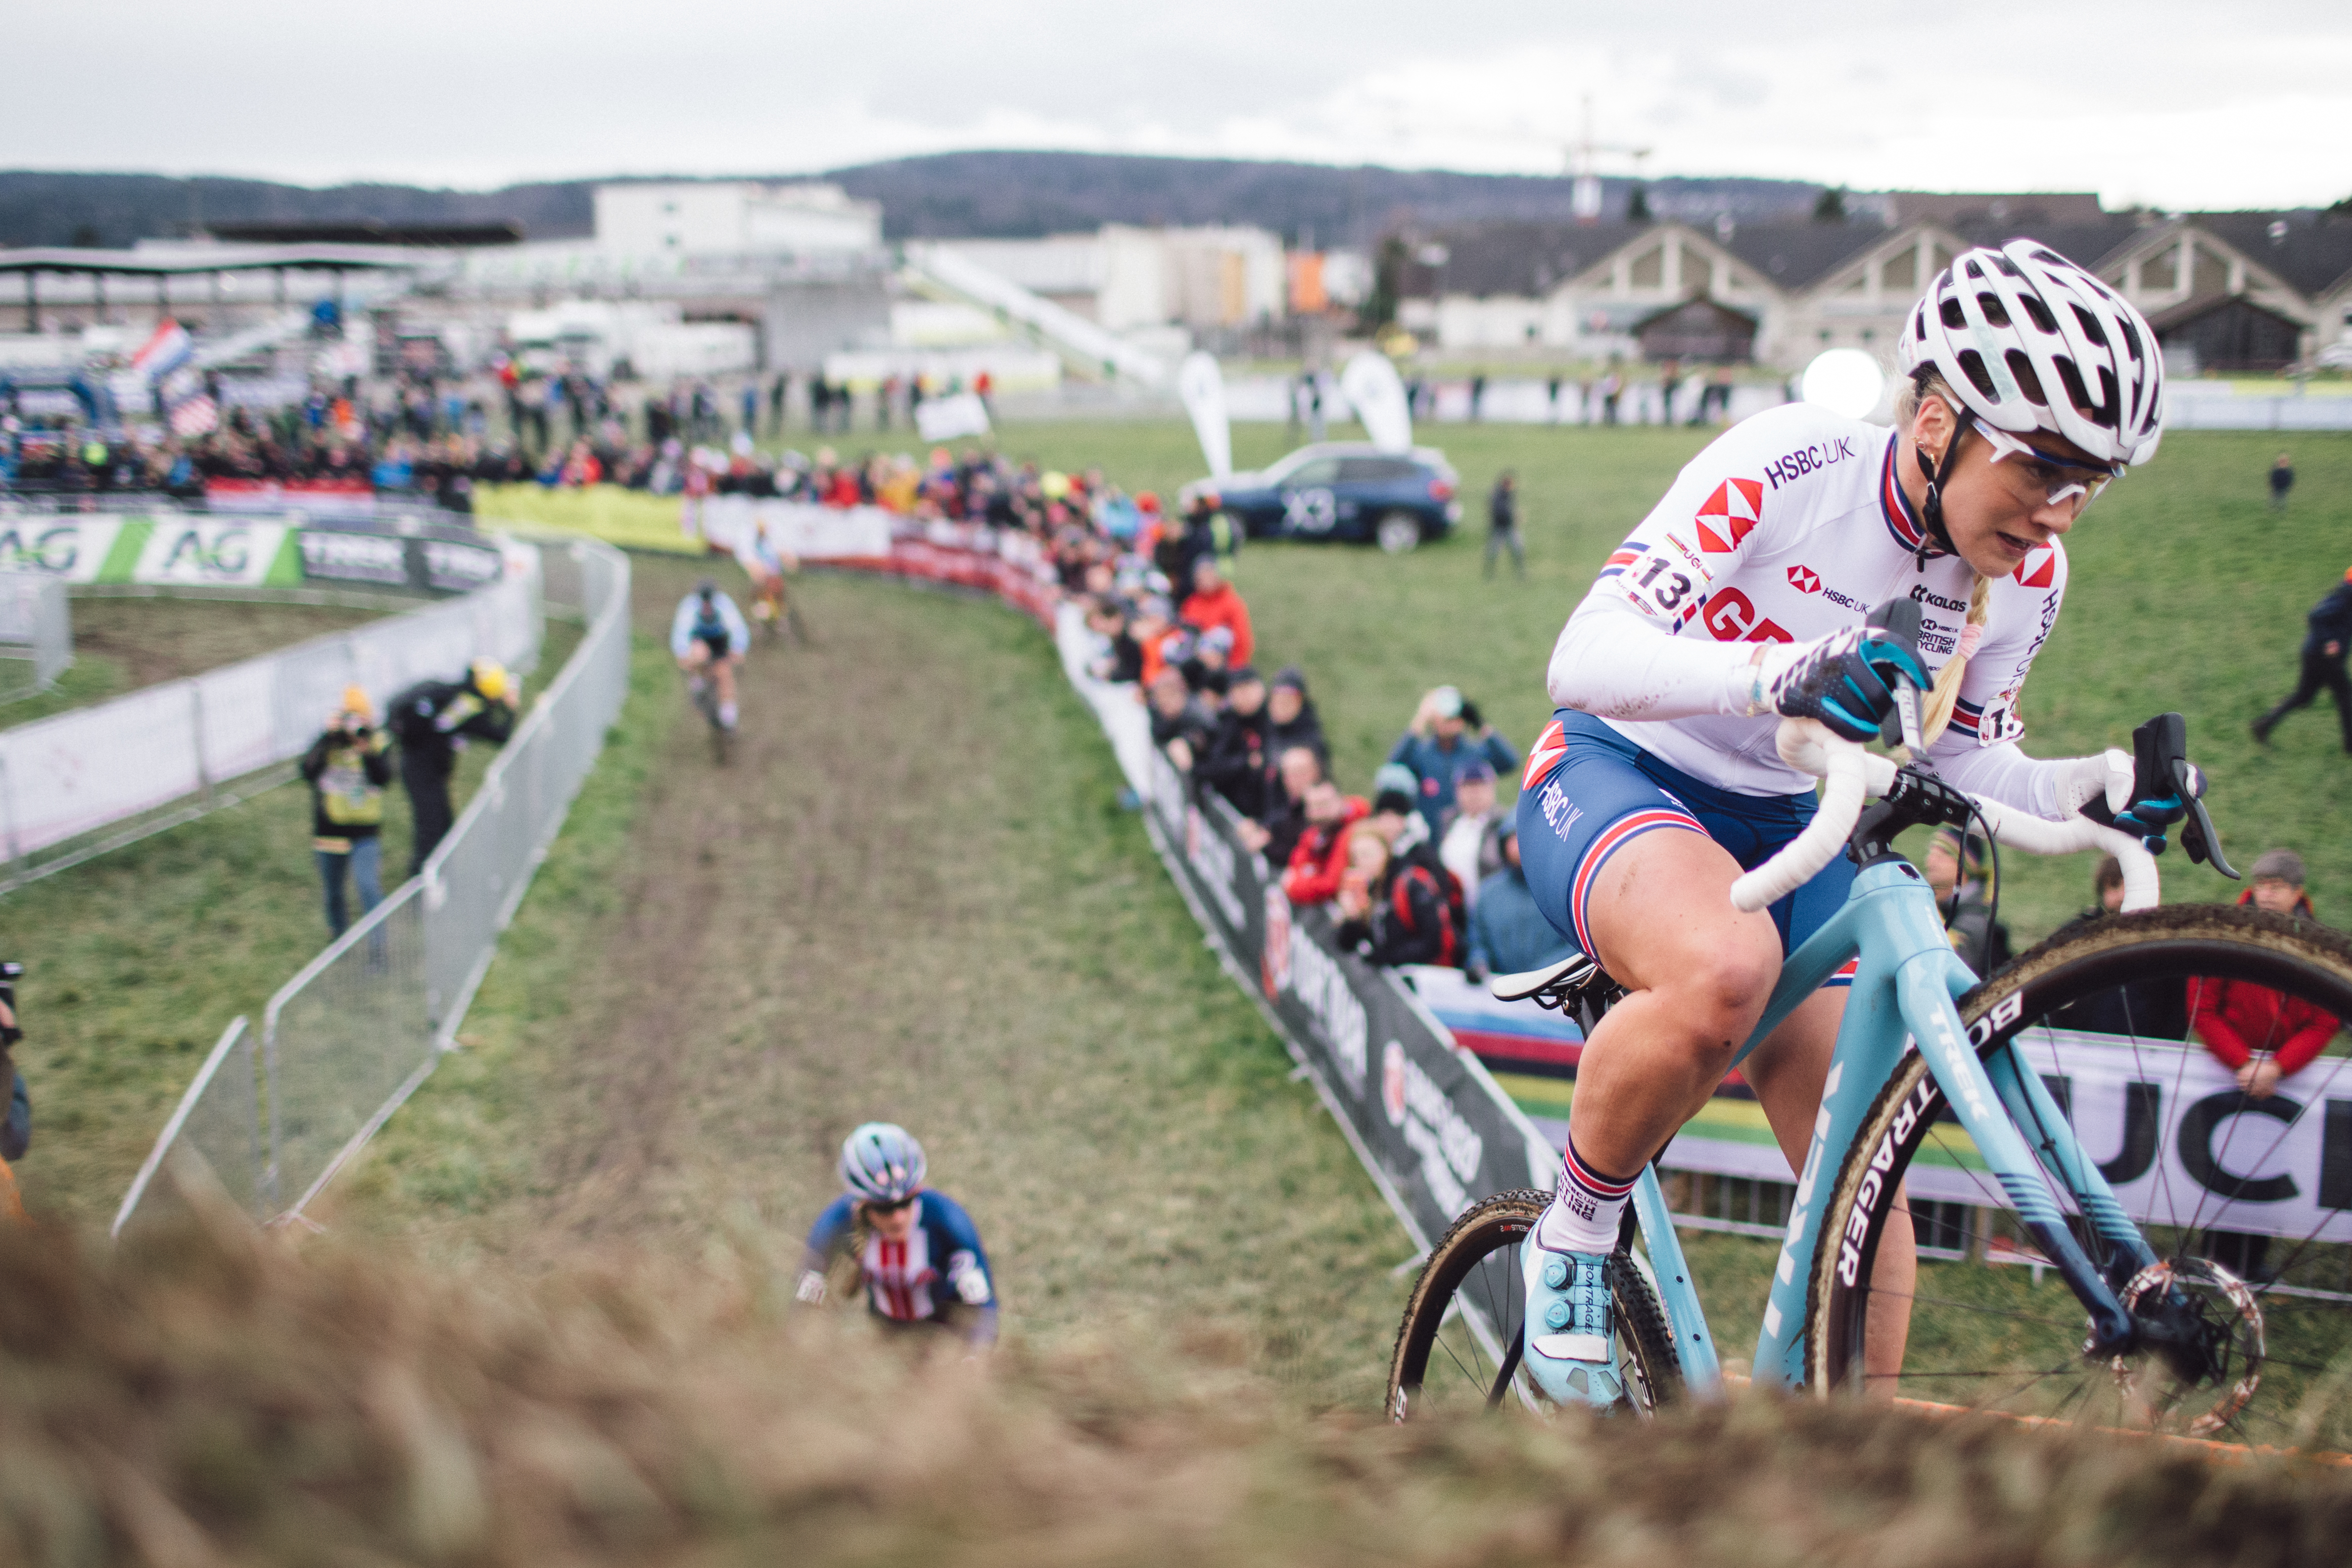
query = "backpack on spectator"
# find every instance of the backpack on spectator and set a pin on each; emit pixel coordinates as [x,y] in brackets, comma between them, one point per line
[1447,887]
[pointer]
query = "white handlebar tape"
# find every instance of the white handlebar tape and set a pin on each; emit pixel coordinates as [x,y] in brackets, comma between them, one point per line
[1853,774]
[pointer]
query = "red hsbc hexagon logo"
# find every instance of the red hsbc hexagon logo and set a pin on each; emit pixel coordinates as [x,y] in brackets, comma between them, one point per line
[1804,579]
[2039,568]
[1736,506]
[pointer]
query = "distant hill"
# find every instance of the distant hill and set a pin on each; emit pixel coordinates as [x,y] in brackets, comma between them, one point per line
[949,194]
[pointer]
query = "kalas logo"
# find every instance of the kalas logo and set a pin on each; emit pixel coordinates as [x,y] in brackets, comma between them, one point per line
[1804,579]
[1736,506]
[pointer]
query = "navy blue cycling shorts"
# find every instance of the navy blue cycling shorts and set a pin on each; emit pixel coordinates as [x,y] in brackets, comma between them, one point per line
[1602,791]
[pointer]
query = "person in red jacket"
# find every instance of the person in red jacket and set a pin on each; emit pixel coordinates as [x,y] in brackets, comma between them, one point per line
[2260,1034]
[1320,861]
[1215,603]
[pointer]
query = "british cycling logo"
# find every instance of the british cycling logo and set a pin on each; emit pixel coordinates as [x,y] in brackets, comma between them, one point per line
[1804,579]
[1728,515]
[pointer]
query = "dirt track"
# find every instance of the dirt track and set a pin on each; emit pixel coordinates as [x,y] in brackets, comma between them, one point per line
[911,894]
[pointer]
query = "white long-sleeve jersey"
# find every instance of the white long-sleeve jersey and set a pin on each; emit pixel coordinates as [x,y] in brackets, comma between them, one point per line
[1789,526]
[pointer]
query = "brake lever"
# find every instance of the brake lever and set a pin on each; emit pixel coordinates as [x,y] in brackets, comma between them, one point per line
[2197,834]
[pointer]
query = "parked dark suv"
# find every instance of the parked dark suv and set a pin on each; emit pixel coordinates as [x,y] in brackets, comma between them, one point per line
[1345,490]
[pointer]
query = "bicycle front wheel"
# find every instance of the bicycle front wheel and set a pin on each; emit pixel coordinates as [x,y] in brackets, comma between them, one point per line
[1456,1349]
[2117,1012]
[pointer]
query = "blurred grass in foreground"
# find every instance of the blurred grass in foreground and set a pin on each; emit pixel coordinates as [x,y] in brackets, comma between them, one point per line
[223,1397]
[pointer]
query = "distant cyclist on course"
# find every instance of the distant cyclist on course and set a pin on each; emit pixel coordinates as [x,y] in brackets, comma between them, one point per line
[708,639]
[1743,597]
[918,1254]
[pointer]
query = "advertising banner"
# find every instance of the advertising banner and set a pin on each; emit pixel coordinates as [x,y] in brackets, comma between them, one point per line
[75,547]
[796,527]
[318,497]
[1424,1116]
[199,550]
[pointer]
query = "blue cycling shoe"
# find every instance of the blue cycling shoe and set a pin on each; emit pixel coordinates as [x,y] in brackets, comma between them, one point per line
[1568,1327]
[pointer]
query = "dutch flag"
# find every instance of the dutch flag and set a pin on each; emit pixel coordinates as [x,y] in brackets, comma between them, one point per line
[166,351]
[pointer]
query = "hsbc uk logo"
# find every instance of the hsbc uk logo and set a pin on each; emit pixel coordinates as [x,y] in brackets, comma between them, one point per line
[1735,509]
[2039,568]
[1804,579]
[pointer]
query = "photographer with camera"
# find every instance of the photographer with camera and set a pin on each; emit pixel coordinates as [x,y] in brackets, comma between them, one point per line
[16,1123]
[347,769]
[1447,733]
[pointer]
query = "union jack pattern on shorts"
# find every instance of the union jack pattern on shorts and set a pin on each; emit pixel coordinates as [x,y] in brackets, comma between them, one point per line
[1615,837]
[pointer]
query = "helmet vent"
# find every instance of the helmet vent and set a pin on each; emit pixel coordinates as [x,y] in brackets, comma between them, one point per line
[1972,365]
[2131,339]
[1974,270]
[2108,402]
[2008,268]
[2028,381]
[2077,392]
[1994,311]
[1953,316]
[2039,311]
[2091,327]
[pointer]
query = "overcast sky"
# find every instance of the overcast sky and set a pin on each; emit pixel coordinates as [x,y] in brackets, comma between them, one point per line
[2164,102]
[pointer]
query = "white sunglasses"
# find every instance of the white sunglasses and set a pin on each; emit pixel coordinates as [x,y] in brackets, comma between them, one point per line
[2059,492]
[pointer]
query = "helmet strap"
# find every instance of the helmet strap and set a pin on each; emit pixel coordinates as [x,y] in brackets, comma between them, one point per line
[1936,539]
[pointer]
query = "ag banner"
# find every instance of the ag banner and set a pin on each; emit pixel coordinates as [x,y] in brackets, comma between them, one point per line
[434,560]
[1425,1117]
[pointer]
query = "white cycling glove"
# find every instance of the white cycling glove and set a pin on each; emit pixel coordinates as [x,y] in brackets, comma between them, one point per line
[2083,780]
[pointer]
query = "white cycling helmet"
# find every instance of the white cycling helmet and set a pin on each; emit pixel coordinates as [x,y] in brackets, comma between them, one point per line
[881,1163]
[2031,341]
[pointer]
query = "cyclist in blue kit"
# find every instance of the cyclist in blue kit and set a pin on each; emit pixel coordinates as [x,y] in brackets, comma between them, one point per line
[708,639]
[920,1260]
[1743,597]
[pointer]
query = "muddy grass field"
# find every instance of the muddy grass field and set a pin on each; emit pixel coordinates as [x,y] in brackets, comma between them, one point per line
[911,894]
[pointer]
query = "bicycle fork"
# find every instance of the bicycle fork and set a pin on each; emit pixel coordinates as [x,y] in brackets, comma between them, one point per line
[1903,994]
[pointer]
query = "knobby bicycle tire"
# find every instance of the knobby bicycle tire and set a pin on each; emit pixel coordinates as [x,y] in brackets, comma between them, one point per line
[1491,1227]
[2083,965]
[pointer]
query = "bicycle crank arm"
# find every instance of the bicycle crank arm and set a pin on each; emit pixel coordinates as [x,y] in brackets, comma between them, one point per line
[1935,1025]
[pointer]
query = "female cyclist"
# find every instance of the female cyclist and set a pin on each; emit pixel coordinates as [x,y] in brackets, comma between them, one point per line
[918,1254]
[1741,599]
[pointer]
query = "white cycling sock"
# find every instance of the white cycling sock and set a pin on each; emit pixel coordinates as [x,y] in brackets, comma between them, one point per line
[727,714]
[1587,1210]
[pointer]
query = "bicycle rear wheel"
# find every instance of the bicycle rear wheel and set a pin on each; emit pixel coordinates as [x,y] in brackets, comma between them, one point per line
[1457,1348]
[2107,1014]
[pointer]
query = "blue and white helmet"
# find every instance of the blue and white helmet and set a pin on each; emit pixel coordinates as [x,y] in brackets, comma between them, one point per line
[881,1163]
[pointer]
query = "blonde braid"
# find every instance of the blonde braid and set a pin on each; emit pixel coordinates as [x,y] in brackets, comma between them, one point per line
[1946,692]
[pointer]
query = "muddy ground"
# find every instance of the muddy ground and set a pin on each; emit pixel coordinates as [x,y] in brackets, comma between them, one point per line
[911,894]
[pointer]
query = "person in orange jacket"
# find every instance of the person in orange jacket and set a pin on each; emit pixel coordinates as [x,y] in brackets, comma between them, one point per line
[2260,1034]
[1215,602]
[1319,863]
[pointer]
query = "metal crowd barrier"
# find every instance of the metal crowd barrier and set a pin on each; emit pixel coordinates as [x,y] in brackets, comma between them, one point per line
[36,632]
[350,1037]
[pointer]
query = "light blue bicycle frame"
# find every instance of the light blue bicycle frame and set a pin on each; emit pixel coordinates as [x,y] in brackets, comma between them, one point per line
[1903,990]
